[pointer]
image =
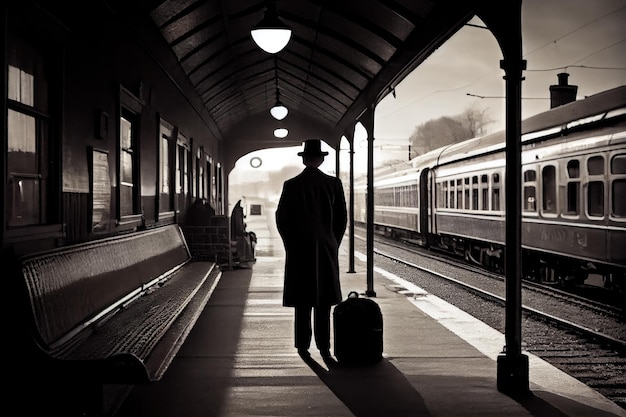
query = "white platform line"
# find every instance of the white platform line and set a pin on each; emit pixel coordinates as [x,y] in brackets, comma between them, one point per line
[490,342]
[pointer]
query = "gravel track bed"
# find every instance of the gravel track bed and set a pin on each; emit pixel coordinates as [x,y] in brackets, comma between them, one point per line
[590,362]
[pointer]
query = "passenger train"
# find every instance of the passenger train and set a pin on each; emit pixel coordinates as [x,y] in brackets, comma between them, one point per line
[573,195]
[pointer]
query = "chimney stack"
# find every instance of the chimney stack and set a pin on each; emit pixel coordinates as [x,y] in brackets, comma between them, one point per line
[562,93]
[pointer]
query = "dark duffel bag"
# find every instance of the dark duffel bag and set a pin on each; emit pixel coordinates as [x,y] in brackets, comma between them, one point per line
[358,331]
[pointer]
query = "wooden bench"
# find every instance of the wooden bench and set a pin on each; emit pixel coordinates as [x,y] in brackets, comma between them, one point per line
[113,311]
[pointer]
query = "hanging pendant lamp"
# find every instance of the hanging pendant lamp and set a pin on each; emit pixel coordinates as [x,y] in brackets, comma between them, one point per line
[279,111]
[271,34]
[281,132]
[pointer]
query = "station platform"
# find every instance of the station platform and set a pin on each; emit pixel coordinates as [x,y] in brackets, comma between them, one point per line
[240,360]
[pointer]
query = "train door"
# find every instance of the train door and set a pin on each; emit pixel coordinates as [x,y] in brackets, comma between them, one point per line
[424,206]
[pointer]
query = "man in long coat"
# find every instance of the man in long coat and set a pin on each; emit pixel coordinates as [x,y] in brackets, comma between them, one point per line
[311,219]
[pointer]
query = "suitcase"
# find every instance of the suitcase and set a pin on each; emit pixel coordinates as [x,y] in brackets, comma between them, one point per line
[358,331]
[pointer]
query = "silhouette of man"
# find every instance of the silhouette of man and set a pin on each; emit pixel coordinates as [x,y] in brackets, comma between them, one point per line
[311,219]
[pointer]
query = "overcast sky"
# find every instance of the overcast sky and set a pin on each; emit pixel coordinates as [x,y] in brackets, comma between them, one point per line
[585,38]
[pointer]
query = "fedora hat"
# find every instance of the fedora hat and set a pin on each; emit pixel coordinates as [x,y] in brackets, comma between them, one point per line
[312,147]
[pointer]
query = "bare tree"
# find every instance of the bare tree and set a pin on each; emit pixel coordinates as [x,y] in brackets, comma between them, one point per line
[435,133]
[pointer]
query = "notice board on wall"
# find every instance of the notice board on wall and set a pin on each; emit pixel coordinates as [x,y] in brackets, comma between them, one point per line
[100,190]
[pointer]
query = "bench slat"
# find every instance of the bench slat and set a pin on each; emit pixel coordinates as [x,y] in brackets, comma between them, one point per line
[71,285]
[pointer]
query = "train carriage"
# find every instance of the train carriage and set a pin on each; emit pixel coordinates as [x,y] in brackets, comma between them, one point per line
[573,186]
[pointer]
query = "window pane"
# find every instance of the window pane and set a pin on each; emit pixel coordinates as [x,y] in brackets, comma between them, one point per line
[530,175]
[595,165]
[165,166]
[595,198]
[618,164]
[24,204]
[619,201]
[126,199]
[127,167]
[573,168]
[495,202]
[22,143]
[549,189]
[572,198]
[125,134]
[530,199]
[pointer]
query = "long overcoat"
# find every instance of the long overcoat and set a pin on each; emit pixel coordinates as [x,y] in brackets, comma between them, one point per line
[311,218]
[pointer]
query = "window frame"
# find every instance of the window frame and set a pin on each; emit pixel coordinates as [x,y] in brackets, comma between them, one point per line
[130,108]
[47,131]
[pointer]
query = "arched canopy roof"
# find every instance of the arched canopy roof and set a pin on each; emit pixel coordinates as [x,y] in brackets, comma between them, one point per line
[343,58]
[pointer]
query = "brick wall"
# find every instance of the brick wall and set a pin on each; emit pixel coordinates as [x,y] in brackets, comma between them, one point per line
[209,242]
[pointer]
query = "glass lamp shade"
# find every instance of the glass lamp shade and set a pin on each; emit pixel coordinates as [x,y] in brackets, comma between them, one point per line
[279,112]
[271,40]
[271,34]
[281,133]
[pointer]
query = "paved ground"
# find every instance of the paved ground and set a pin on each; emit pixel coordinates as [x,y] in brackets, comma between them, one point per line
[240,361]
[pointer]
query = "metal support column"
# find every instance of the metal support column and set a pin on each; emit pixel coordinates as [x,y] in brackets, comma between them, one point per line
[351,270]
[512,365]
[368,122]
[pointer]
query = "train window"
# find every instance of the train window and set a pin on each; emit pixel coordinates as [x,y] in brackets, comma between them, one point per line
[573,168]
[495,192]
[484,192]
[549,189]
[618,186]
[595,187]
[452,204]
[530,190]
[618,164]
[619,204]
[530,175]
[573,187]
[459,194]
[466,192]
[595,198]
[595,165]
[475,192]
[572,198]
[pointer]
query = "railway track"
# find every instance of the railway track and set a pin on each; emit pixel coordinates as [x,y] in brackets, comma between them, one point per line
[583,338]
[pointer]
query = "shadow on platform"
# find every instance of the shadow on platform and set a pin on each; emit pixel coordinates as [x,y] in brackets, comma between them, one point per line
[371,391]
[541,404]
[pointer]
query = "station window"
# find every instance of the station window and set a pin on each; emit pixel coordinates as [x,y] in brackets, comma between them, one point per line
[548,175]
[595,187]
[30,191]
[128,163]
[530,191]
[210,180]
[618,185]
[183,158]
[200,181]
[573,187]
[128,169]
[495,192]
[166,141]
